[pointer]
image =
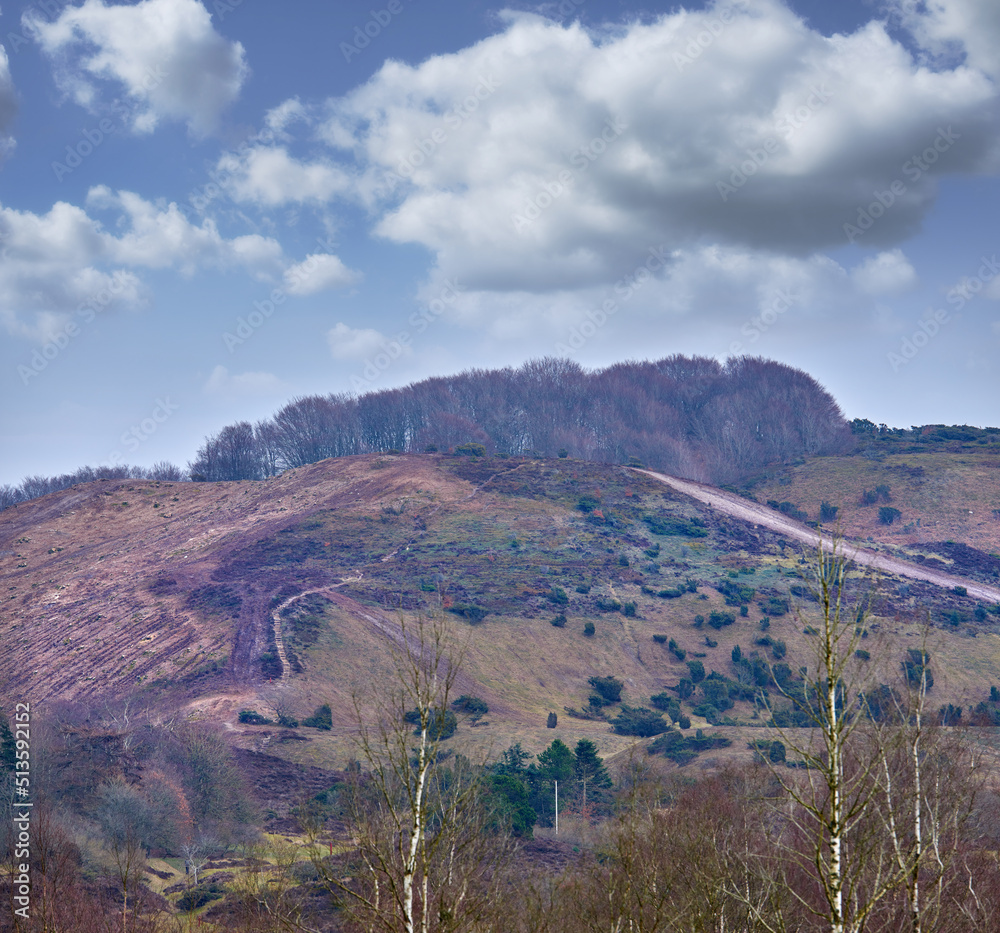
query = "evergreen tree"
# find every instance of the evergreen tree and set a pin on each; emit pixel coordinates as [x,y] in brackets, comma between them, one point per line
[589,770]
[8,747]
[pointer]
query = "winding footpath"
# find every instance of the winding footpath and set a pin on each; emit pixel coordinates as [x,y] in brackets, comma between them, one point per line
[756,514]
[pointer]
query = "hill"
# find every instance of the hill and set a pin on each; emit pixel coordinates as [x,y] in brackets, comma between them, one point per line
[172,590]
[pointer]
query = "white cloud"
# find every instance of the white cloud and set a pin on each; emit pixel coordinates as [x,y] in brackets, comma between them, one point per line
[270,176]
[8,102]
[548,157]
[222,382]
[349,343]
[888,273]
[164,53]
[289,111]
[57,262]
[318,272]
[946,27]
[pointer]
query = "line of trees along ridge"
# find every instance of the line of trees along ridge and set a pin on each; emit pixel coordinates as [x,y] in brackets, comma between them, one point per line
[690,416]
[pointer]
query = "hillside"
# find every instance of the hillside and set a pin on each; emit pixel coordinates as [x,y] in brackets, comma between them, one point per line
[172,589]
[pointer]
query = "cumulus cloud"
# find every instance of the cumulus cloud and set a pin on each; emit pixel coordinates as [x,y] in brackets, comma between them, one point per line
[350,343]
[888,273]
[58,263]
[549,157]
[269,176]
[950,29]
[222,382]
[8,102]
[165,54]
[317,273]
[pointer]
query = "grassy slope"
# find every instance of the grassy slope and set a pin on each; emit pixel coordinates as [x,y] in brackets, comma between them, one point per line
[424,535]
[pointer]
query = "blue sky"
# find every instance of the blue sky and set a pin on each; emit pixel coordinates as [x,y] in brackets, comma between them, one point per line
[208,208]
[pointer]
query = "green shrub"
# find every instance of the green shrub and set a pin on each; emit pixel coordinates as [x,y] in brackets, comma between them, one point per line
[686,687]
[608,604]
[558,596]
[470,450]
[560,621]
[583,588]
[322,718]
[610,688]
[251,717]
[671,593]
[697,670]
[441,723]
[673,525]
[637,720]
[887,514]
[474,614]
[719,620]
[827,512]
[474,707]
[629,608]
[660,639]
[588,503]
[551,721]
[589,629]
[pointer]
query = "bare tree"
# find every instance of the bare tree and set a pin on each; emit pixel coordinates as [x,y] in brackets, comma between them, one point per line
[427,858]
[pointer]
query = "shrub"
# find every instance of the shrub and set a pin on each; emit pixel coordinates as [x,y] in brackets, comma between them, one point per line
[440,726]
[629,608]
[827,512]
[684,722]
[608,604]
[676,651]
[322,718]
[589,629]
[663,701]
[671,593]
[719,620]
[697,670]
[637,720]
[673,525]
[470,450]
[862,655]
[685,688]
[887,514]
[474,707]
[765,624]
[776,606]
[779,649]
[958,590]
[699,621]
[551,720]
[558,596]
[653,551]
[251,717]
[622,560]
[473,613]
[559,621]
[583,588]
[711,642]
[610,688]
[744,610]
[660,639]
[588,503]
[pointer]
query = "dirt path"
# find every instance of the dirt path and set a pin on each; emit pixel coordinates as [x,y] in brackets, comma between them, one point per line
[756,514]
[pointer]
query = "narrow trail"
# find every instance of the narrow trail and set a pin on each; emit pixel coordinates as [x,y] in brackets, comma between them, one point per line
[748,511]
[390,631]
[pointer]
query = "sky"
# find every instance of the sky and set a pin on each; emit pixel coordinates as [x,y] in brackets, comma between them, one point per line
[210,207]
